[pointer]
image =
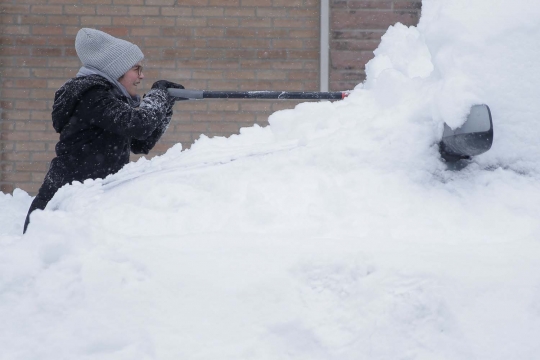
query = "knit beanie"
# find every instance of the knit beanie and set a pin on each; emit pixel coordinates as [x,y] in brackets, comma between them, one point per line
[106,53]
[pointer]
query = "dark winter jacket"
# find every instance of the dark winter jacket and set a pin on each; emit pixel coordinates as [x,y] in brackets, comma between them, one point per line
[98,128]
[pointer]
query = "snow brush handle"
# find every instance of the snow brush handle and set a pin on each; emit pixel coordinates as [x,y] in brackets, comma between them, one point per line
[280,95]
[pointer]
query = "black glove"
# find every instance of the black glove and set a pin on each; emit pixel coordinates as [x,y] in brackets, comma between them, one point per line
[164,85]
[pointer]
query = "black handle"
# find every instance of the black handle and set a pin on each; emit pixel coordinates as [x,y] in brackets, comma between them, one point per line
[280,95]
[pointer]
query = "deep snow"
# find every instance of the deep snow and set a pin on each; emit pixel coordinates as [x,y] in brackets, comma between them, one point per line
[334,233]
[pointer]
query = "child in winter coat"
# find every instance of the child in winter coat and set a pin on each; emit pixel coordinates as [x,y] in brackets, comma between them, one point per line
[100,117]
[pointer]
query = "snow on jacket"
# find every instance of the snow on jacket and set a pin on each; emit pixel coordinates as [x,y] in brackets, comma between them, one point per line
[98,128]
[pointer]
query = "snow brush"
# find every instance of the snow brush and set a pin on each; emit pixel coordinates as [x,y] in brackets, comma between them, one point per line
[279,95]
[473,138]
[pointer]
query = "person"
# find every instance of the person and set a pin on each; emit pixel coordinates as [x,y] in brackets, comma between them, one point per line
[100,117]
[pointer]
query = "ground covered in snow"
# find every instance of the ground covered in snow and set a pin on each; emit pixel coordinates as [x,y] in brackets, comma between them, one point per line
[334,233]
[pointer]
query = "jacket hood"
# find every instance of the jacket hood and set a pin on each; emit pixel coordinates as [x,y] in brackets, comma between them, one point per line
[68,96]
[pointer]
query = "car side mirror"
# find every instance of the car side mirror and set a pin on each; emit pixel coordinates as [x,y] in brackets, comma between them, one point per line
[473,138]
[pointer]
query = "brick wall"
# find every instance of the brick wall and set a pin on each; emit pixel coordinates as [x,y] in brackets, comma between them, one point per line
[203,44]
[356,29]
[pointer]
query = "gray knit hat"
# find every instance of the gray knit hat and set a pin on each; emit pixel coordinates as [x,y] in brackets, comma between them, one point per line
[106,53]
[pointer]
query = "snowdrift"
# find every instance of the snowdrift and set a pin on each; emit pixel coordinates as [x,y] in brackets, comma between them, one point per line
[334,233]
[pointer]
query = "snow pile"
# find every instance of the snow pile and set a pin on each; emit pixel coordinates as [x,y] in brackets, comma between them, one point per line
[334,233]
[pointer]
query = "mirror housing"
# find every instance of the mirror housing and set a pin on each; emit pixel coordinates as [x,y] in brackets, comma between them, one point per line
[473,138]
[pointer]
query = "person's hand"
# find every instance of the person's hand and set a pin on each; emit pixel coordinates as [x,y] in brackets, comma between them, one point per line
[164,85]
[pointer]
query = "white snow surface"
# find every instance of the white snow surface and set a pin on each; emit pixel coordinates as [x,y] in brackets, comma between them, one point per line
[334,233]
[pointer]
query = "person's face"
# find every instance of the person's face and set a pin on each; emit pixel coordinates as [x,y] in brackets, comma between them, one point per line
[132,78]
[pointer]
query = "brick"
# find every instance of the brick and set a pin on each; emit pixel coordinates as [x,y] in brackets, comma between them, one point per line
[271,12]
[240,74]
[62,20]
[407,5]
[30,126]
[4,40]
[63,62]
[31,105]
[223,43]
[288,3]
[348,34]
[256,43]
[192,106]
[272,54]
[65,2]
[14,94]
[79,10]
[191,21]
[191,127]
[128,2]
[112,10]
[6,105]
[95,20]
[239,117]
[46,9]
[303,33]
[16,176]
[149,31]
[223,127]
[256,106]
[288,23]
[46,51]
[287,65]
[355,45]
[176,32]
[256,64]
[192,64]
[223,22]
[143,10]
[15,156]
[256,3]
[369,5]
[14,9]
[32,20]
[159,21]
[127,21]
[303,75]
[240,54]
[348,60]
[15,30]
[243,12]
[205,116]
[194,2]
[7,19]
[257,22]
[61,42]
[42,156]
[47,30]
[209,32]
[304,13]
[32,166]
[365,19]
[7,188]
[15,135]
[287,44]
[210,11]
[271,75]
[15,115]
[177,53]
[160,2]
[176,11]
[224,2]
[208,74]
[159,42]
